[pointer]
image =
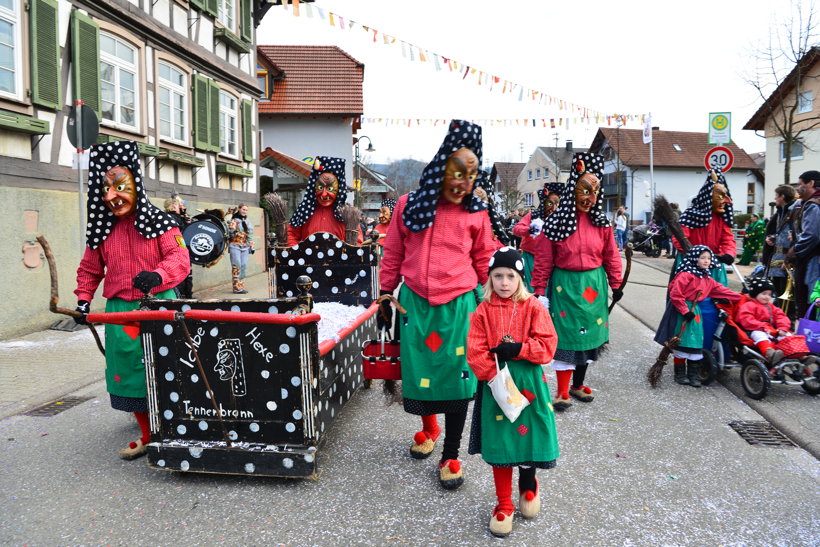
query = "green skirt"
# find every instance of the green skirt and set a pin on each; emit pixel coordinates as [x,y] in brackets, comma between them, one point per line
[434,348]
[529,264]
[124,367]
[692,336]
[578,307]
[533,437]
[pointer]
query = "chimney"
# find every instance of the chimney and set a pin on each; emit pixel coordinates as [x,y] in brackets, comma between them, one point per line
[568,146]
[656,128]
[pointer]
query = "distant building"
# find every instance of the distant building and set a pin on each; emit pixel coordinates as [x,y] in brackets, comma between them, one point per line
[546,164]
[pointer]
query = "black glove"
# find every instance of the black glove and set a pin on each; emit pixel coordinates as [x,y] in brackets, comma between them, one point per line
[726,259]
[384,316]
[507,350]
[251,250]
[145,281]
[722,301]
[617,294]
[689,315]
[83,306]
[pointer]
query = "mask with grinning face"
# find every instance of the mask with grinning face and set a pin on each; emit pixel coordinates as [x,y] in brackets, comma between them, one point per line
[720,198]
[120,191]
[586,192]
[327,188]
[459,175]
[551,204]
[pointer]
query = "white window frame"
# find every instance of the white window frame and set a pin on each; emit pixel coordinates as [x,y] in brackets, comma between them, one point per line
[13,18]
[805,102]
[121,65]
[538,174]
[528,199]
[529,174]
[174,90]
[782,151]
[226,13]
[226,115]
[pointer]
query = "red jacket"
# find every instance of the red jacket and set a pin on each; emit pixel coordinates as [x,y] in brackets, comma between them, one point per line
[685,286]
[531,326]
[717,235]
[752,315]
[522,230]
[322,220]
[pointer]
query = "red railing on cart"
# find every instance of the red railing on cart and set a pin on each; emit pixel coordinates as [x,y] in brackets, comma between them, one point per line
[134,317]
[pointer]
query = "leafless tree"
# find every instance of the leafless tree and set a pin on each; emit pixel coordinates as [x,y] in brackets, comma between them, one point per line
[782,77]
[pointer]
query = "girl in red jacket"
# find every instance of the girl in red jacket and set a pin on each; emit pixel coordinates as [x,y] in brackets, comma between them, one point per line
[766,321]
[512,326]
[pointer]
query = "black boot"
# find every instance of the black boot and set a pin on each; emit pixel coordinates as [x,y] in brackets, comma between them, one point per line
[693,371]
[680,374]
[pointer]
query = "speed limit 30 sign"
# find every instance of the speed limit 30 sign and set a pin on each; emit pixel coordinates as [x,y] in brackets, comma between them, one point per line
[719,157]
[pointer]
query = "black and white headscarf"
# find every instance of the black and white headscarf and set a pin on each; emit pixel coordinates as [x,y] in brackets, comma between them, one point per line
[149,220]
[308,205]
[699,214]
[689,262]
[543,194]
[564,221]
[420,210]
[390,203]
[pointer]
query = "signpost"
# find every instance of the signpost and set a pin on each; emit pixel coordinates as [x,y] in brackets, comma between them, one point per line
[720,127]
[82,130]
[719,157]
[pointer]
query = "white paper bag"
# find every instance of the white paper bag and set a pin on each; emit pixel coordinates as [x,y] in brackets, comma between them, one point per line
[506,393]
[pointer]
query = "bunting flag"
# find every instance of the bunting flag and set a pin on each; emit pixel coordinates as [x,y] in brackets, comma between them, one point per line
[503,122]
[482,77]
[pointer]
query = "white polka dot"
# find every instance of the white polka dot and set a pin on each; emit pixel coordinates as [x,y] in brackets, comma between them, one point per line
[265,374]
[250,468]
[232,435]
[271,405]
[284,393]
[203,425]
[181,429]
[297,414]
[174,396]
[254,427]
[287,463]
[290,427]
[167,414]
[169,376]
[168,329]
[163,351]
[184,465]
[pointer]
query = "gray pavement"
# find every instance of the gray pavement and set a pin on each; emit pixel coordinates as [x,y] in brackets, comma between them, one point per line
[638,466]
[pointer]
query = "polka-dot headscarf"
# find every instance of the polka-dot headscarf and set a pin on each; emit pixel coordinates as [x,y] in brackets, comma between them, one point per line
[149,220]
[390,203]
[308,204]
[543,194]
[421,203]
[699,214]
[563,222]
[484,191]
[689,262]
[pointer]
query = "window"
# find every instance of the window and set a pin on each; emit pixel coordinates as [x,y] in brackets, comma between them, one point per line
[173,104]
[529,174]
[537,174]
[797,150]
[118,81]
[262,82]
[677,148]
[226,12]
[11,85]
[804,102]
[528,200]
[227,124]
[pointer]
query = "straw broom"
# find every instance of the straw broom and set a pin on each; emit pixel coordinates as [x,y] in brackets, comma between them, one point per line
[350,218]
[653,376]
[663,212]
[278,215]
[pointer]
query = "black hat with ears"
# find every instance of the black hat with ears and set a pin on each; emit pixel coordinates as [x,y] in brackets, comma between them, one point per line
[507,257]
[758,284]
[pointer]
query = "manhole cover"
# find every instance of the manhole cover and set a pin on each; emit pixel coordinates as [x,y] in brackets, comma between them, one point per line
[55,407]
[761,433]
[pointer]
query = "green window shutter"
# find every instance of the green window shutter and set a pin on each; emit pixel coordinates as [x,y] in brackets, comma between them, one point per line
[214,115]
[245,18]
[247,130]
[198,4]
[85,60]
[45,54]
[202,139]
[212,7]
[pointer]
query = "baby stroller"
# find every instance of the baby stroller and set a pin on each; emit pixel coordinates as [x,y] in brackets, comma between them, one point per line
[733,347]
[647,239]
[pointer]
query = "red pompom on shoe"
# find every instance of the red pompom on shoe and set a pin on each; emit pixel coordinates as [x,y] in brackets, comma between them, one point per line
[454,465]
[420,437]
[529,495]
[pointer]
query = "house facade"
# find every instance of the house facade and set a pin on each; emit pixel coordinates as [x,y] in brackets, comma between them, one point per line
[677,170]
[312,101]
[178,77]
[797,101]
[375,187]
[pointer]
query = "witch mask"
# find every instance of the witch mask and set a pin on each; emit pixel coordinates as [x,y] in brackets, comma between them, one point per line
[720,198]
[459,175]
[120,191]
[327,188]
[586,191]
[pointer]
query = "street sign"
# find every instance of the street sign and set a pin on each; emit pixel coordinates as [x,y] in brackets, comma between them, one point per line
[720,127]
[83,126]
[719,156]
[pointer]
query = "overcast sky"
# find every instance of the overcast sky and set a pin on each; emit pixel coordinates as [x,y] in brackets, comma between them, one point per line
[677,60]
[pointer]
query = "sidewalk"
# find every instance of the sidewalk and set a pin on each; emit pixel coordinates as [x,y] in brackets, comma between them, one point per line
[40,367]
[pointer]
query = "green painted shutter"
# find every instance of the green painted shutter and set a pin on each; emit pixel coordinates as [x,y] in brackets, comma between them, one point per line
[247,130]
[213,118]
[212,7]
[85,60]
[202,138]
[245,28]
[45,54]
[199,4]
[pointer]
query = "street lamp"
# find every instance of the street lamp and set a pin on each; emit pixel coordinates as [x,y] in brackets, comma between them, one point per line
[357,182]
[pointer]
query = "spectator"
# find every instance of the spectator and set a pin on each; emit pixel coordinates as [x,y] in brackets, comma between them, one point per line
[778,239]
[176,208]
[804,253]
[240,235]
[620,228]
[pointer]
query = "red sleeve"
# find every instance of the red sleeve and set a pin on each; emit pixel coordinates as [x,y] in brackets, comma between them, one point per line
[540,346]
[175,264]
[484,245]
[481,361]
[745,317]
[522,229]
[781,320]
[90,274]
[542,269]
[389,271]
[676,291]
[721,291]
[612,260]
[728,245]
[294,235]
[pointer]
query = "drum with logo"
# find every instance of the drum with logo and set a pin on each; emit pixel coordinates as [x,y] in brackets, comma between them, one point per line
[207,239]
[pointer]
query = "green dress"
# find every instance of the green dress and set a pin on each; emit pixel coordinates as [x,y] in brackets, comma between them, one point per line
[752,241]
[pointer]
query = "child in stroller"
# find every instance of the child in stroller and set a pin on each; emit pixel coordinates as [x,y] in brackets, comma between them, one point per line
[647,239]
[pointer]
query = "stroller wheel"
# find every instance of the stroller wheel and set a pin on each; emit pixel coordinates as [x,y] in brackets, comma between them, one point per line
[754,377]
[708,368]
[811,383]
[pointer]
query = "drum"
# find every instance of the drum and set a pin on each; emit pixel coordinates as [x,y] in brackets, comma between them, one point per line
[206,238]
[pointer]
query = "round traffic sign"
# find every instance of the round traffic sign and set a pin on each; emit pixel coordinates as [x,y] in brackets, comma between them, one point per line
[83,116]
[719,156]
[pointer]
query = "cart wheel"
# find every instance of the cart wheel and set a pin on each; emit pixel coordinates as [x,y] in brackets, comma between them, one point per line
[754,377]
[811,383]
[655,253]
[708,368]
